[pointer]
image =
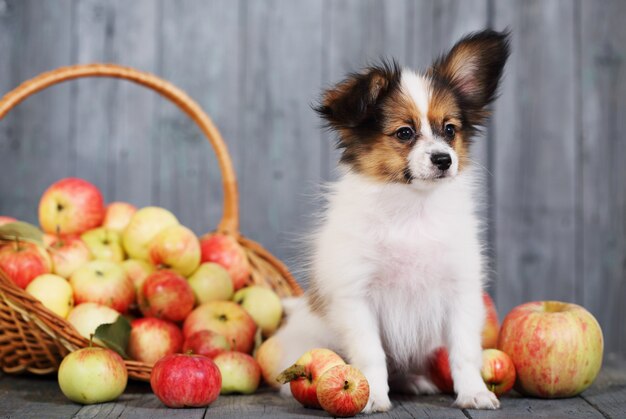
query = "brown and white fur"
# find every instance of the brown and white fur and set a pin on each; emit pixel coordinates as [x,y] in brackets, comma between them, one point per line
[397,268]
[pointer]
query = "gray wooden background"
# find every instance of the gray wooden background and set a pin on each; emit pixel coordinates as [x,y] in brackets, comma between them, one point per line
[554,175]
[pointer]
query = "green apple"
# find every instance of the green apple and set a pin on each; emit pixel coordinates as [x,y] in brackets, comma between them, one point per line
[92,375]
[176,248]
[86,318]
[143,226]
[104,244]
[54,292]
[211,282]
[240,372]
[263,305]
[137,271]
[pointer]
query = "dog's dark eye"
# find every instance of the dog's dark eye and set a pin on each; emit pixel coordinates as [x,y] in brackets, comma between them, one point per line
[449,131]
[405,133]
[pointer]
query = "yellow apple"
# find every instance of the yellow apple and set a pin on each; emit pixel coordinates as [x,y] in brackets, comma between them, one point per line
[86,318]
[175,248]
[143,226]
[263,305]
[54,292]
[211,282]
[104,244]
[118,215]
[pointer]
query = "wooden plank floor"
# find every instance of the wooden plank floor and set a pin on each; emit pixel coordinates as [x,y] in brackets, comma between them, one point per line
[29,396]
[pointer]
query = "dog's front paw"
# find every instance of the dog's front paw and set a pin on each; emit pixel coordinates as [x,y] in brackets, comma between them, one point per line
[480,400]
[377,403]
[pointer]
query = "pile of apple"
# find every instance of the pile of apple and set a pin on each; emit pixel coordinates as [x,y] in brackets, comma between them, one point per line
[192,313]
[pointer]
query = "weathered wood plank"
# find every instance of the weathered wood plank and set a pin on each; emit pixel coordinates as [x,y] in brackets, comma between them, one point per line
[280,163]
[200,41]
[26,396]
[602,173]
[535,160]
[518,407]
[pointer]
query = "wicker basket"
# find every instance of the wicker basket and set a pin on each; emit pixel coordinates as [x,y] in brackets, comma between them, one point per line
[34,339]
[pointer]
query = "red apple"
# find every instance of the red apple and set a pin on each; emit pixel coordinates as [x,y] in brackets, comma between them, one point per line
[439,371]
[240,372]
[492,325]
[304,375]
[166,295]
[268,355]
[68,253]
[227,319]
[224,250]
[6,220]
[183,380]
[207,343]
[71,206]
[498,371]
[343,391]
[24,261]
[103,282]
[117,216]
[556,348]
[176,248]
[151,339]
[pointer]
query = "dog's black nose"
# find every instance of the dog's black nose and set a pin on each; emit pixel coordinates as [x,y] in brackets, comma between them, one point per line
[441,160]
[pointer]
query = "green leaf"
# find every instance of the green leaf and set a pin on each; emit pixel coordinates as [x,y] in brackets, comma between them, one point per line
[20,230]
[115,335]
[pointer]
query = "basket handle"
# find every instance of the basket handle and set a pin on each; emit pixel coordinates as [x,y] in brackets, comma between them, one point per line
[230,217]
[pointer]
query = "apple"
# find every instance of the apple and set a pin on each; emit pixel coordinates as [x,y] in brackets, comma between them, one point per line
[224,250]
[439,370]
[103,282]
[343,391]
[71,206]
[92,375]
[498,371]
[304,375]
[225,318]
[54,292]
[87,317]
[184,380]
[151,339]
[137,271]
[6,220]
[492,325]
[68,253]
[166,295]
[24,261]
[117,216]
[556,348]
[211,282]
[240,372]
[207,343]
[263,305]
[269,355]
[143,226]
[104,244]
[176,248]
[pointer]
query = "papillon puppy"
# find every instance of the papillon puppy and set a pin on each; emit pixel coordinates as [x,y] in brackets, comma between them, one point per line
[397,268]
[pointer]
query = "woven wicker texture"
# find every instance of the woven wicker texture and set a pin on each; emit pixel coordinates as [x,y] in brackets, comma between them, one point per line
[34,339]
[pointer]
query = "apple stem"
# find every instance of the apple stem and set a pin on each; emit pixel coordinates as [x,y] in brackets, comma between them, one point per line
[292,373]
[91,340]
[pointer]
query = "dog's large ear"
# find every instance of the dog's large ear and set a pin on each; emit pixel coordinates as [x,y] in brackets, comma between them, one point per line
[473,68]
[352,101]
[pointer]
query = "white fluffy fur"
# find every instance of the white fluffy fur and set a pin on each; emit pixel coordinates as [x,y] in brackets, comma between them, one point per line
[400,271]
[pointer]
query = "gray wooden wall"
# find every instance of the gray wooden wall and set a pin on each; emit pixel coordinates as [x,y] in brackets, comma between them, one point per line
[555,179]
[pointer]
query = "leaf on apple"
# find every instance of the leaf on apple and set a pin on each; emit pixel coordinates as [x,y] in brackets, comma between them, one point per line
[20,230]
[115,335]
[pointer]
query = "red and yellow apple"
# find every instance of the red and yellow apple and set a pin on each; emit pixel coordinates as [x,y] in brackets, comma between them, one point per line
[498,371]
[137,271]
[166,295]
[103,282]
[86,318]
[263,305]
[24,261]
[54,292]
[117,216]
[68,253]
[176,248]
[207,343]
[71,206]
[6,220]
[224,250]
[343,391]
[211,282]
[492,325]
[268,355]
[439,370]
[225,318]
[240,372]
[104,244]
[144,225]
[151,339]
[556,348]
[184,380]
